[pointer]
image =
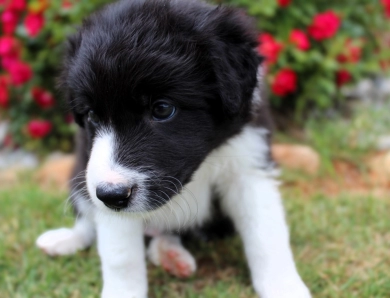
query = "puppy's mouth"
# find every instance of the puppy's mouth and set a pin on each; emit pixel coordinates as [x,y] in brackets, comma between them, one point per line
[120,188]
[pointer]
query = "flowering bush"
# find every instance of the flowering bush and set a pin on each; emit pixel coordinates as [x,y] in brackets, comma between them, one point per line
[31,43]
[312,48]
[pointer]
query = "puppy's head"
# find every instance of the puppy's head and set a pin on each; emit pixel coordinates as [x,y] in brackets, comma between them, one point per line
[157,85]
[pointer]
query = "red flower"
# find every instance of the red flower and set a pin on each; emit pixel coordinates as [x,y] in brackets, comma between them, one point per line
[300,39]
[8,45]
[386,5]
[67,4]
[39,128]
[9,60]
[9,18]
[42,97]
[269,47]
[285,82]
[284,3]
[69,118]
[351,53]
[325,25]
[34,23]
[343,77]
[17,5]
[9,51]
[20,73]
[4,96]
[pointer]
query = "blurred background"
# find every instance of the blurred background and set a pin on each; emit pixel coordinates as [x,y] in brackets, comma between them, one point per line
[327,74]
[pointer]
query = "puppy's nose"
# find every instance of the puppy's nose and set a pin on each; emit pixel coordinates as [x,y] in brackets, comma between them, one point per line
[114,196]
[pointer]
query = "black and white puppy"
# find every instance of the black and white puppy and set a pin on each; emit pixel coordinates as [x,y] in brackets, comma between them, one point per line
[168,97]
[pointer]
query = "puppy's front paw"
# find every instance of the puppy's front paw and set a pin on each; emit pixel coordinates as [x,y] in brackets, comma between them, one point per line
[123,293]
[60,242]
[286,288]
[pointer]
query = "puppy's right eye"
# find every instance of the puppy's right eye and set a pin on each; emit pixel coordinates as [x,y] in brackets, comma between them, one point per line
[163,110]
[93,118]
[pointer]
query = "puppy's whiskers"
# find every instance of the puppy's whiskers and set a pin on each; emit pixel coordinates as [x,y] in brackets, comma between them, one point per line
[161,205]
[181,196]
[74,197]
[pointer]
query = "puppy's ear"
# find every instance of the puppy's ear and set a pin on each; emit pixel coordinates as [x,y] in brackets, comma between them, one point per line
[235,58]
[73,45]
[71,51]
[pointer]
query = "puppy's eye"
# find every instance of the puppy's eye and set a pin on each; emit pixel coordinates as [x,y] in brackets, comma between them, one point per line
[93,118]
[163,110]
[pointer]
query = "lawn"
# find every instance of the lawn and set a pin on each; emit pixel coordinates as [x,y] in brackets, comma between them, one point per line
[341,244]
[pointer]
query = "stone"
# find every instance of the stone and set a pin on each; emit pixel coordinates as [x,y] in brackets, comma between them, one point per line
[379,166]
[383,142]
[55,172]
[384,86]
[3,131]
[9,177]
[363,89]
[17,159]
[297,157]
[13,163]
[369,90]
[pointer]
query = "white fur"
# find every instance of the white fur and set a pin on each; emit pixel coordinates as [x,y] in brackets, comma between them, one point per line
[254,204]
[256,98]
[240,172]
[103,169]
[246,151]
[65,241]
[122,254]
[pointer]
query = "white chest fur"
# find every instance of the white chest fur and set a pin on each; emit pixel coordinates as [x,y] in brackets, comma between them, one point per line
[245,152]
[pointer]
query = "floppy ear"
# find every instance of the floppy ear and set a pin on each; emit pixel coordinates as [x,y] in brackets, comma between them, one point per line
[235,58]
[72,48]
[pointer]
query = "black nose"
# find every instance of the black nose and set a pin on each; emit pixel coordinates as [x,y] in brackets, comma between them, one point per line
[114,196]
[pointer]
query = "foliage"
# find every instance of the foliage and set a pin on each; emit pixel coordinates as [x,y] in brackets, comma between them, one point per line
[312,49]
[326,43]
[31,46]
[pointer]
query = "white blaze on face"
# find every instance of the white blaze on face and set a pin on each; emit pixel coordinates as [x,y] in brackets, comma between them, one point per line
[102,169]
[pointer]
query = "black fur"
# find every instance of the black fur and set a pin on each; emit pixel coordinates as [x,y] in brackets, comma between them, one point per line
[200,57]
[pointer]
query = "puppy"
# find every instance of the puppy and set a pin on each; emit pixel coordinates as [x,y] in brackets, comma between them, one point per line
[168,96]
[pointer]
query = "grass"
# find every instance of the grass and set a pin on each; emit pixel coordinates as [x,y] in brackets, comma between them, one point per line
[341,245]
[344,138]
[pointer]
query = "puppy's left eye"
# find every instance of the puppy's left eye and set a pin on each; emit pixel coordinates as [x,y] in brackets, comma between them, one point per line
[93,118]
[163,110]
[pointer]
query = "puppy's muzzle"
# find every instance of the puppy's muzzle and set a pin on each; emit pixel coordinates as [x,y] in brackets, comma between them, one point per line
[115,197]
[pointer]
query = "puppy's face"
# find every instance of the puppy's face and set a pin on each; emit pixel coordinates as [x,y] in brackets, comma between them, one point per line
[157,87]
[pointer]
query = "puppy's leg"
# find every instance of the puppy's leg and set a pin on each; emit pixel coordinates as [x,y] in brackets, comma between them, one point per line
[121,250]
[66,241]
[254,204]
[167,251]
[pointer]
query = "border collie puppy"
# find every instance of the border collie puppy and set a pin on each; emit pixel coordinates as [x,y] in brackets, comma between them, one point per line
[168,96]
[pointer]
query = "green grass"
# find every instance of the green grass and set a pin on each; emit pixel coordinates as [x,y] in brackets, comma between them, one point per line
[344,138]
[342,247]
